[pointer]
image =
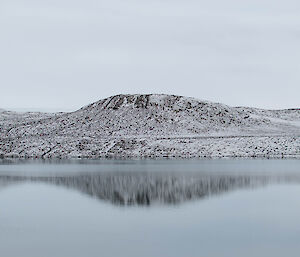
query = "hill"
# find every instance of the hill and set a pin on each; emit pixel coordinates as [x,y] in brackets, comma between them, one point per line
[151,126]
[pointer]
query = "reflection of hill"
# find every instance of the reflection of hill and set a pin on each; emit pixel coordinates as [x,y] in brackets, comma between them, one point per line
[150,188]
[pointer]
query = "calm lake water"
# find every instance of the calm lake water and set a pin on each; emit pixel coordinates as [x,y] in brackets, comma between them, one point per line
[150,208]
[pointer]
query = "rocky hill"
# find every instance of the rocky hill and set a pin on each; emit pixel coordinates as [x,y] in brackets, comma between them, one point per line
[151,126]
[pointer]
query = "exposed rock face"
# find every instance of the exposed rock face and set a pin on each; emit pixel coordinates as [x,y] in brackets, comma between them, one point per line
[155,126]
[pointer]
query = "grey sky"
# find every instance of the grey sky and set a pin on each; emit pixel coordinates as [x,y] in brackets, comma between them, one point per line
[63,54]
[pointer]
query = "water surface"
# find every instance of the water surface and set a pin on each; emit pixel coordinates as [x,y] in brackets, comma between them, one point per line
[150,208]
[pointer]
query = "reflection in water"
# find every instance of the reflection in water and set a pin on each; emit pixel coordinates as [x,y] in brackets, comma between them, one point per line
[150,188]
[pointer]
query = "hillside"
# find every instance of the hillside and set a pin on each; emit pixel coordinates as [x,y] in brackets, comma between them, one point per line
[151,126]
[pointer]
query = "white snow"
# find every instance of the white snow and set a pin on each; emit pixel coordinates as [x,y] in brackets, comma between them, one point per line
[151,126]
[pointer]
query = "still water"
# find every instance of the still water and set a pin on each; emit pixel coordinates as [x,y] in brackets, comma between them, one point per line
[150,208]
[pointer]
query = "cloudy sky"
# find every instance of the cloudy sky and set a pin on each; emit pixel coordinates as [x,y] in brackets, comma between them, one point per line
[63,54]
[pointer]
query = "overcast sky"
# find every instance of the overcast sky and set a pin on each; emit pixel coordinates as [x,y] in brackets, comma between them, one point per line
[63,54]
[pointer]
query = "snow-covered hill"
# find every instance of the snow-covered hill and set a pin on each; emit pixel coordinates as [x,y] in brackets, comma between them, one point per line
[151,126]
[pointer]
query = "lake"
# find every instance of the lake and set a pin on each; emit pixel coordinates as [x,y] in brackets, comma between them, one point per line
[150,208]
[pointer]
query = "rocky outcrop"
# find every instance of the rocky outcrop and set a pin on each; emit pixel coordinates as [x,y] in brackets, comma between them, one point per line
[151,126]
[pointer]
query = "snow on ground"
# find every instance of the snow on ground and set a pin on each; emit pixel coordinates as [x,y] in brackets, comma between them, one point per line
[151,126]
